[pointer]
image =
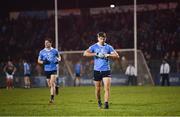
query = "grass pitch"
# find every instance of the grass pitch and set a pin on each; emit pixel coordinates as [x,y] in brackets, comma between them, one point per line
[80,101]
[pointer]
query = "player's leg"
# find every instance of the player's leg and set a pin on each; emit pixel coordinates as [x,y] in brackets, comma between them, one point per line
[7,83]
[131,80]
[28,82]
[107,84]
[57,86]
[48,82]
[75,81]
[98,83]
[78,80]
[167,79]
[11,82]
[128,80]
[98,92]
[25,81]
[163,80]
[52,86]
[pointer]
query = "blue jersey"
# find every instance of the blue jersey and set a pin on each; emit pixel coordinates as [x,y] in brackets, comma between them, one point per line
[101,64]
[78,68]
[50,55]
[26,68]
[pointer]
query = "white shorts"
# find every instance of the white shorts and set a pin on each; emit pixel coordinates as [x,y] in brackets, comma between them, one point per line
[8,76]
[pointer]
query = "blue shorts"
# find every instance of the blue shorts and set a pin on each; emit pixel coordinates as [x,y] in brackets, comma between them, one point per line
[99,75]
[49,73]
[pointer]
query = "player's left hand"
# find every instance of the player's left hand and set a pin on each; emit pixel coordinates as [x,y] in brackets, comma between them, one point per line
[100,55]
[106,55]
[57,60]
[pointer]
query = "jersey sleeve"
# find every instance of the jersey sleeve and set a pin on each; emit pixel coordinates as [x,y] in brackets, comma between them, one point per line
[91,48]
[40,57]
[111,49]
[56,53]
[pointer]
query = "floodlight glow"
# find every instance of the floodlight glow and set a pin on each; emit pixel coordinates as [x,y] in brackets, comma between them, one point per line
[112,5]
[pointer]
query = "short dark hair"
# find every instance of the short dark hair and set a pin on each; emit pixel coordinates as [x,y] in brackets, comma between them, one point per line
[101,34]
[48,39]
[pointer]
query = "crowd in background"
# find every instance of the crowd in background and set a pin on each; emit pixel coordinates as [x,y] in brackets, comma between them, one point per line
[158,33]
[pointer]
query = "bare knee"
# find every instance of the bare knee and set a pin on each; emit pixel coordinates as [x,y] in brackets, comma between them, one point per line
[52,84]
[107,89]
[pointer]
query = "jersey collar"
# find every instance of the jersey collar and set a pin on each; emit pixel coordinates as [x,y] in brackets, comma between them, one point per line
[101,45]
[48,49]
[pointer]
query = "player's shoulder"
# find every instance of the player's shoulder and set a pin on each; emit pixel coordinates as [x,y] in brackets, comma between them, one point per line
[43,50]
[54,50]
[94,45]
[108,45]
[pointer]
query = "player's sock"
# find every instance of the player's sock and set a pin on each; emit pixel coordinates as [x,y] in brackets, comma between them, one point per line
[99,103]
[106,105]
[57,90]
[52,97]
[57,87]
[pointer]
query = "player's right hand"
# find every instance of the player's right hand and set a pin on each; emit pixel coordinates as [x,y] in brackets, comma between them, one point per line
[46,62]
[100,55]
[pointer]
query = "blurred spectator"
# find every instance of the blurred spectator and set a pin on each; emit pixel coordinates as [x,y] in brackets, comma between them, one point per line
[38,70]
[158,33]
[130,72]
[9,70]
[77,69]
[164,72]
[27,73]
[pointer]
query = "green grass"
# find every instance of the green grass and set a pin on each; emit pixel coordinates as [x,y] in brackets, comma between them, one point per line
[80,101]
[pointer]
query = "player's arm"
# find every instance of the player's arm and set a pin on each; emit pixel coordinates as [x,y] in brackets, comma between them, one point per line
[88,53]
[5,68]
[40,61]
[59,57]
[113,55]
[14,70]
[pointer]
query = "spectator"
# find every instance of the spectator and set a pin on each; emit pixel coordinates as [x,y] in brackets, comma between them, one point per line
[164,72]
[130,72]
[9,70]
[77,70]
[27,72]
